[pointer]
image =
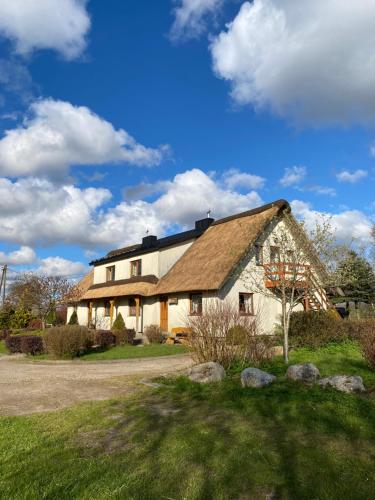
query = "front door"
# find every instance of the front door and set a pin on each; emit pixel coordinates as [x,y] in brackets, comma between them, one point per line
[164,313]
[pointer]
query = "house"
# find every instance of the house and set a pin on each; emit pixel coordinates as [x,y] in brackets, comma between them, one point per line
[161,281]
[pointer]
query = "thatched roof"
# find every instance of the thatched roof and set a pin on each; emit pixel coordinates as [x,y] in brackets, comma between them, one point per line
[208,263]
[144,287]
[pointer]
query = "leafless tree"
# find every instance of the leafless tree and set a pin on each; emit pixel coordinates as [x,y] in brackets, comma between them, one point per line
[42,294]
[290,268]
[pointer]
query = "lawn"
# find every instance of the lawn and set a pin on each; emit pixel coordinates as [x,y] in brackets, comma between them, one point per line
[129,352]
[3,348]
[187,441]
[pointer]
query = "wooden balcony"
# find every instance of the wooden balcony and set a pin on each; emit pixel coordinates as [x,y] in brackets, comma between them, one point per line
[299,276]
[286,273]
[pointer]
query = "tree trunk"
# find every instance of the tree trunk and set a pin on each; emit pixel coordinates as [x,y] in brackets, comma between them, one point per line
[285,329]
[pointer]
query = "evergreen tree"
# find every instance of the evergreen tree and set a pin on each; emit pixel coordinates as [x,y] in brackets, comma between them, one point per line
[73,319]
[357,278]
[119,323]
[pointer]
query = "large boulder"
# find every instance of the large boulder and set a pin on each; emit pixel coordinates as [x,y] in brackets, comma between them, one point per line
[344,383]
[207,372]
[306,373]
[253,377]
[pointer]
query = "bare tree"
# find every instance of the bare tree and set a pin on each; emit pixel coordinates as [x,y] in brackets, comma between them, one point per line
[290,269]
[42,294]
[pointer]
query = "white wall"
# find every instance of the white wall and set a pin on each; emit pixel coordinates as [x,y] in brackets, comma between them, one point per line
[156,262]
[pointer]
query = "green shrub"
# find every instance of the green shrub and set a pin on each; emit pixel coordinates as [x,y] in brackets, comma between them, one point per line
[154,334]
[64,342]
[119,323]
[20,318]
[73,320]
[315,328]
[318,328]
[125,336]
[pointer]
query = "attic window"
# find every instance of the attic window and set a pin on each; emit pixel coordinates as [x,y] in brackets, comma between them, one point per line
[196,304]
[274,254]
[110,273]
[246,304]
[135,268]
[259,255]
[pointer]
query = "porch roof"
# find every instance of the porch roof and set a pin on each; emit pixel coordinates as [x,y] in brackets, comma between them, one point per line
[142,285]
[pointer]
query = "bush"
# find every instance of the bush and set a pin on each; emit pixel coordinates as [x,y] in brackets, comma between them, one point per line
[119,323]
[4,333]
[66,342]
[32,344]
[125,336]
[13,344]
[105,339]
[367,343]
[223,335]
[154,334]
[20,319]
[316,328]
[73,320]
[35,324]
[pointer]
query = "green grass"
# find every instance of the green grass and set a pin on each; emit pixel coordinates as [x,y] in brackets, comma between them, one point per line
[335,359]
[129,352]
[3,349]
[187,441]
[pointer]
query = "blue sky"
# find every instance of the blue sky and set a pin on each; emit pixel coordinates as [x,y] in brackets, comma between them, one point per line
[122,117]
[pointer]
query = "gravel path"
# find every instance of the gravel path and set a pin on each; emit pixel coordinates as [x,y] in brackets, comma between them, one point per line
[29,387]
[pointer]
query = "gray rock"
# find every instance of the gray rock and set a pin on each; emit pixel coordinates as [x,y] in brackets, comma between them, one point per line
[207,372]
[344,383]
[253,377]
[306,373]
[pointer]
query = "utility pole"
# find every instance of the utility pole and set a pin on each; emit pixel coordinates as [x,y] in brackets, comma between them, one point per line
[3,282]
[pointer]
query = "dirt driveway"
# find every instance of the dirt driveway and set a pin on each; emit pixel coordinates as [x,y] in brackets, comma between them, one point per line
[29,387]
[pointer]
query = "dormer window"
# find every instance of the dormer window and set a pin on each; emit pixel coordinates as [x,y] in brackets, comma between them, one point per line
[135,268]
[110,273]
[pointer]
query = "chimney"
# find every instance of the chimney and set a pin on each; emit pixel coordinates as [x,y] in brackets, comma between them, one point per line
[149,241]
[203,224]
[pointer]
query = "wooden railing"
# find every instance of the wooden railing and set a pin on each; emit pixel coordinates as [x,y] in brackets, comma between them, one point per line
[299,276]
[278,273]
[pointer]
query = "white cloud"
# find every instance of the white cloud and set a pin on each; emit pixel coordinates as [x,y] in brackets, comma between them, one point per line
[23,256]
[349,224]
[59,134]
[61,25]
[352,177]
[190,17]
[234,178]
[298,60]
[57,266]
[323,190]
[36,212]
[293,176]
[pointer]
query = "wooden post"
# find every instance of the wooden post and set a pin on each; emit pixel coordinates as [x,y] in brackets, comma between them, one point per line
[89,319]
[137,310]
[112,306]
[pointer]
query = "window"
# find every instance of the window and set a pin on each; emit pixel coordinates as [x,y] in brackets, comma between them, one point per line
[259,255]
[196,304]
[135,268]
[245,304]
[110,273]
[107,308]
[132,307]
[274,254]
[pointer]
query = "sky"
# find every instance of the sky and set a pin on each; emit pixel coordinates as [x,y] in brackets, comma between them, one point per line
[122,117]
